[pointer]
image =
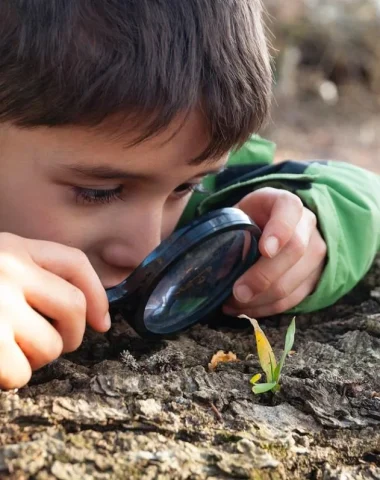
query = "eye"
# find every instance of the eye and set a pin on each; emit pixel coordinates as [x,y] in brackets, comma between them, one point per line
[186,188]
[94,195]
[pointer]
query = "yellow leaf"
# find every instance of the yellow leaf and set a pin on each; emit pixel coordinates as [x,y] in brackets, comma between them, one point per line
[256,378]
[266,356]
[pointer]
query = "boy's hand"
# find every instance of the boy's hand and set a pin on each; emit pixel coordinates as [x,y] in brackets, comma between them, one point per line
[293,258]
[43,279]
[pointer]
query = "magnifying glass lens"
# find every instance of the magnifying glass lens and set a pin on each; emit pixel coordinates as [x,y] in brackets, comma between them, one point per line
[196,280]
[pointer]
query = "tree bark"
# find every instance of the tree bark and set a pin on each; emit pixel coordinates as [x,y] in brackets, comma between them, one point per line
[126,408]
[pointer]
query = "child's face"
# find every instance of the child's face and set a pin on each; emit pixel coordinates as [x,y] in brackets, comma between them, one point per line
[50,180]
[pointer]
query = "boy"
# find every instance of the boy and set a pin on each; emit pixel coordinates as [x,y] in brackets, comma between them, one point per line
[112,114]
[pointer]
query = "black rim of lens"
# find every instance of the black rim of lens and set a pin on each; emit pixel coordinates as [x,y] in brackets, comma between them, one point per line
[132,295]
[219,295]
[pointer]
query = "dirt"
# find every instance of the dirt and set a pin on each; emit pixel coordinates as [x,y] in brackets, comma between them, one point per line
[126,408]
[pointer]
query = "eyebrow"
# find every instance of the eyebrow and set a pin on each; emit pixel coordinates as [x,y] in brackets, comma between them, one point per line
[104,172]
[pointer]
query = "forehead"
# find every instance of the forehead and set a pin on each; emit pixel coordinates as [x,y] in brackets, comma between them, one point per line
[111,143]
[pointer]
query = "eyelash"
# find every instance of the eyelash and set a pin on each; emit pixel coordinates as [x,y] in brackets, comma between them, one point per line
[93,195]
[190,187]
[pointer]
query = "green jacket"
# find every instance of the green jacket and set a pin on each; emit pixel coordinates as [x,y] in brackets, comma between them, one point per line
[345,198]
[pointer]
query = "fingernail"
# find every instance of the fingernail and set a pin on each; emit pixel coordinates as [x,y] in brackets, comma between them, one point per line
[243,294]
[272,246]
[107,321]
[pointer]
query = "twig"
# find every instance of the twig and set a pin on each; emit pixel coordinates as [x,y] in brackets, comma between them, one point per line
[216,411]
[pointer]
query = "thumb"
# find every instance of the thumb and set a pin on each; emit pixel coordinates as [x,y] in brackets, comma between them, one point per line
[277,212]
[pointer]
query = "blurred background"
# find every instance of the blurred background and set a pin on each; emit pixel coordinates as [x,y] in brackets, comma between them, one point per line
[326,58]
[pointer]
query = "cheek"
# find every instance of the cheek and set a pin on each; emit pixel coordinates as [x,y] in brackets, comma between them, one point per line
[172,213]
[40,214]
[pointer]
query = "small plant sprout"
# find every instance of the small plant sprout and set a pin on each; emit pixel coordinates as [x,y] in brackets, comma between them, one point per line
[268,361]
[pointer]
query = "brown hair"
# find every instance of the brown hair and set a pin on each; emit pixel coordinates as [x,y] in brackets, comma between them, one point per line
[65,62]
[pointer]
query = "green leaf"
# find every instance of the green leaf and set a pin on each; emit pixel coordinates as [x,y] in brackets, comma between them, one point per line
[276,388]
[289,341]
[263,387]
[277,371]
[273,368]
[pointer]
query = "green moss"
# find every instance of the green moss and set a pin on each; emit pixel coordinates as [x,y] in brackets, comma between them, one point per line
[280,452]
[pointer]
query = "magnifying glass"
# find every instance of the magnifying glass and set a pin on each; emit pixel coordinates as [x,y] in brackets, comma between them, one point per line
[189,274]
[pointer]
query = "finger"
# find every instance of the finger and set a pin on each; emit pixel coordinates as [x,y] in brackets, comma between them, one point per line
[15,370]
[74,266]
[36,337]
[280,306]
[266,272]
[60,301]
[286,304]
[277,213]
[310,265]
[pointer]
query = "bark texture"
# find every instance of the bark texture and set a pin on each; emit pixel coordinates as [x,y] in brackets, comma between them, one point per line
[124,408]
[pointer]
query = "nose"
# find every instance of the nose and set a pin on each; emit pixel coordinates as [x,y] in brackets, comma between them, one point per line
[131,241]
